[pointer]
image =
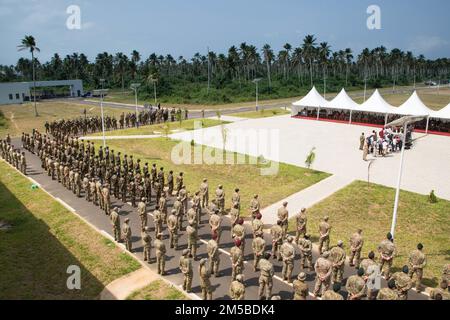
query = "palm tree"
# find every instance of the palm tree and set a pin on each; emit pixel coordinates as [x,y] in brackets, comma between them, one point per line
[309,51]
[29,43]
[268,56]
[348,60]
[324,53]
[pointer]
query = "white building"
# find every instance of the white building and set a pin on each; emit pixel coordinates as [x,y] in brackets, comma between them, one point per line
[18,92]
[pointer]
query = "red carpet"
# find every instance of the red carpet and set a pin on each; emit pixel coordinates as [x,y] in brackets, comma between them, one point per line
[447,134]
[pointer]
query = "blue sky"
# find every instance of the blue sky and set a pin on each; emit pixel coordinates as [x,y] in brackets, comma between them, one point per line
[183,27]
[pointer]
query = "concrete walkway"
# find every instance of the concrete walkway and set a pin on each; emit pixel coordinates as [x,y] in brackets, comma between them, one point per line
[121,288]
[228,118]
[307,197]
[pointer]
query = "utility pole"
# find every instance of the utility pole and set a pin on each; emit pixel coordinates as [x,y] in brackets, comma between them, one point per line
[135,87]
[209,72]
[101,108]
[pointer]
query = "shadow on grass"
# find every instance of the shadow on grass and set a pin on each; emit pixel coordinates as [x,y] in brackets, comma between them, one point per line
[33,261]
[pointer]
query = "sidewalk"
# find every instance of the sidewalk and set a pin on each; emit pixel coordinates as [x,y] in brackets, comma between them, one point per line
[307,197]
[121,288]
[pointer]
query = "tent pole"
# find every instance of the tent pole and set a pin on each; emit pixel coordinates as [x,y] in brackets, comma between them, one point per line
[385,119]
[318,113]
[428,121]
[350,121]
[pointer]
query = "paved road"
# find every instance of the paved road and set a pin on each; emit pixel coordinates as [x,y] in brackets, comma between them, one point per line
[221,284]
[193,114]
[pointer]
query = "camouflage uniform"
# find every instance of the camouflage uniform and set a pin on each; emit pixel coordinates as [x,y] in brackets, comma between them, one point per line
[115,221]
[301,221]
[337,257]
[215,222]
[258,247]
[265,279]
[402,284]
[356,287]
[126,235]
[387,253]
[237,261]
[147,244]
[324,240]
[141,209]
[283,217]
[277,240]
[323,268]
[205,282]
[160,249]
[288,254]
[306,246]
[331,295]
[186,269]
[173,230]
[356,244]
[387,294]
[237,289]
[192,240]
[214,256]
[301,290]
[417,262]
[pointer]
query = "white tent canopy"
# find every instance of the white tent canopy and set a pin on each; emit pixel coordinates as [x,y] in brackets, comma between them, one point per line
[342,101]
[442,114]
[377,104]
[312,99]
[414,107]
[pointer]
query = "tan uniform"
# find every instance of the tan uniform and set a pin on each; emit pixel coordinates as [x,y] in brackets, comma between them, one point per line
[142,214]
[173,231]
[402,284]
[239,233]
[387,294]
[215,222]
[288,254]
[323,268]
[115,221]
[158,221]
[356,244]
[301,290]
[265,279]
[306,246]
[301,221]
[387,253]
[258,227]
[255,206]
[220,200]
[214,256]
[324,240]
[237,262]
[204,193]
[277,240]
[258,247]
[160,252]
[237,290]
[417,261]
[186,269]
[283,216]
[205,282]
[192,240]
[126,236]
[337,257]
[356,287]
[147,244]
[331,295]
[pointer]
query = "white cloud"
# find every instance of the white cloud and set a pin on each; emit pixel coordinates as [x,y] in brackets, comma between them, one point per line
[427,44]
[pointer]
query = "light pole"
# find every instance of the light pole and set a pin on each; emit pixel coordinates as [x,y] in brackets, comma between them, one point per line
[102,81]
[256,81]
[135,87]
[154,80]
[402,122]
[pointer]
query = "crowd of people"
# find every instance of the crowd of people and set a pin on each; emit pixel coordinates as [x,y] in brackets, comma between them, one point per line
[434,124]
[384,142]
[83,125]
[98,174]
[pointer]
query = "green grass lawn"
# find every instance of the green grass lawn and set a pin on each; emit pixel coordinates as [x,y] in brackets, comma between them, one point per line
[356,206]
[44,239]
[163,128]
[289,180]
[157,290]
[261,114]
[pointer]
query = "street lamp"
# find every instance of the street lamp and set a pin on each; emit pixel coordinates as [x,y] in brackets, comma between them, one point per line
[256,81]
[154,80]
[102,81]
[402,122]
[135,87]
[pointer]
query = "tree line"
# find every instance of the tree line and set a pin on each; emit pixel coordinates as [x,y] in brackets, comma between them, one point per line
[224,77]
